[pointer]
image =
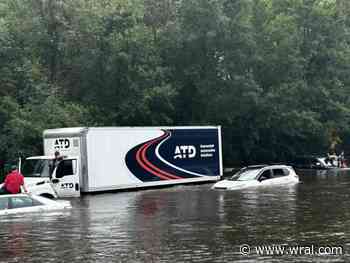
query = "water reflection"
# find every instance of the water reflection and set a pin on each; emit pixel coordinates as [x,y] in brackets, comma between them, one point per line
[186,224]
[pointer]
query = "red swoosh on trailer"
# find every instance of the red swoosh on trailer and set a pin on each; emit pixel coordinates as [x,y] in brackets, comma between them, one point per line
[148,166]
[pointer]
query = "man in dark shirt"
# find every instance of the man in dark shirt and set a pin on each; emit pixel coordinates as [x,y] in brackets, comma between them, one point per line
[13,182]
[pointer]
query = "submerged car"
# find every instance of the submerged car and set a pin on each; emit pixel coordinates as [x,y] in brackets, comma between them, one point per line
[24,203]
[259,175]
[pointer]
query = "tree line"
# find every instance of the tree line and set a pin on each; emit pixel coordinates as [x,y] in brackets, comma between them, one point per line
[274,74]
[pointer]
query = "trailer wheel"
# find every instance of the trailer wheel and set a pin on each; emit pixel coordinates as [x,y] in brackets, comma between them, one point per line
[47,196]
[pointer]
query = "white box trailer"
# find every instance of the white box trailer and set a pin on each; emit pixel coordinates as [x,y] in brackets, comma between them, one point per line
[95,159]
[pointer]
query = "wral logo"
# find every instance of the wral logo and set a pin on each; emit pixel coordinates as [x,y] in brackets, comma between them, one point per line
[185,151]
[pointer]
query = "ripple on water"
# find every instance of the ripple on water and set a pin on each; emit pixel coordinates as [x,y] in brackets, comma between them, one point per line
[186,224]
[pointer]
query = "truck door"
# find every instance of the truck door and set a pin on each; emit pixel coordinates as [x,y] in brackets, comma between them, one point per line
[65,178]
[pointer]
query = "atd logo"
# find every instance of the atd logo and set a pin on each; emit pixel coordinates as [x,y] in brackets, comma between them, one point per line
[185,151]
[62,144]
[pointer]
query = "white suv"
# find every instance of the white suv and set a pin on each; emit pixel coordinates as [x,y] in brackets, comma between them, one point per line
[259,175]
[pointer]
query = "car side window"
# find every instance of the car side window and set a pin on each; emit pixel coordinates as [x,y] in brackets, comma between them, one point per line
[22,201]
[4,203]
[265,175]
[279,172]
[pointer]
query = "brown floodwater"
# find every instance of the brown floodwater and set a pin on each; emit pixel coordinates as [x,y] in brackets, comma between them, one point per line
[189,223]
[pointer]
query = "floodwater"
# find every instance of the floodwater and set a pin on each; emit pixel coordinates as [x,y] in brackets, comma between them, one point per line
[190,223]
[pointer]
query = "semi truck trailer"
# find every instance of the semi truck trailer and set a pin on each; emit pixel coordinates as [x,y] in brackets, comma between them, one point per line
[99,159]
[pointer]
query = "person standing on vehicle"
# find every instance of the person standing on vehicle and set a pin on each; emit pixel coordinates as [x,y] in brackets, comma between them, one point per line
[57,158]
[13,182]
[55,161]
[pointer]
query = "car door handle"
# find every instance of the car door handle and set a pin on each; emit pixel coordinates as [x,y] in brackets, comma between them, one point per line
[55,181]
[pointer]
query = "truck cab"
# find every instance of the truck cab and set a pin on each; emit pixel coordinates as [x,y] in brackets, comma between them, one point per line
[50,177]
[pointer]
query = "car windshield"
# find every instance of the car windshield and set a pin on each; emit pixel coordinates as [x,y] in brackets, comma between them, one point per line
[36,168]
[245,175]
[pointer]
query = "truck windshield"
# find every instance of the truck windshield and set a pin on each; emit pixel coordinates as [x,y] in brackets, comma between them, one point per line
[36,168]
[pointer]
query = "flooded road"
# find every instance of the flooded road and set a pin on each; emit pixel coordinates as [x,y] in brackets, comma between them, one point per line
[189,223]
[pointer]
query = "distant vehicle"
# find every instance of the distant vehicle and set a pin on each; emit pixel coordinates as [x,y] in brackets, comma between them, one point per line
[313,162]
[259,175]
[24,203]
